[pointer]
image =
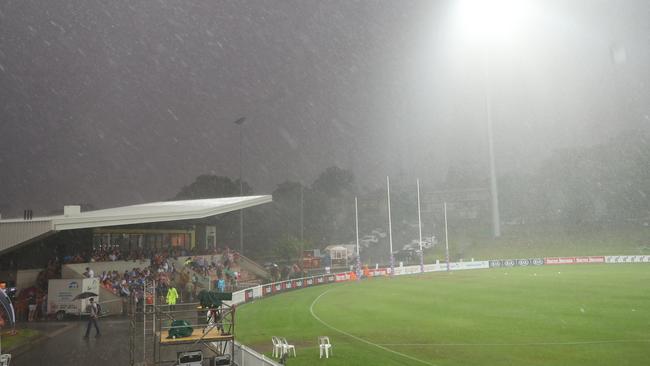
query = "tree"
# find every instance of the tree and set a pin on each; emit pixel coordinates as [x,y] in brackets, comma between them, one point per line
[213,186]
[463,174]
[289,249]
[286,200]
[334,182]
[329,208]
[609,181]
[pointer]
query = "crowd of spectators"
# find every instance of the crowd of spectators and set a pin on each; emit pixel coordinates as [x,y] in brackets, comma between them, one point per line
[112,253]
[108,253]
[217,267]
[220,267]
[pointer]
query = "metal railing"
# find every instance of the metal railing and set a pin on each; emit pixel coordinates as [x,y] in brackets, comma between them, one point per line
[245,356]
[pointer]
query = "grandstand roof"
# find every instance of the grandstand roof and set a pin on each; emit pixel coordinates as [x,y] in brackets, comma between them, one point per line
[14,232]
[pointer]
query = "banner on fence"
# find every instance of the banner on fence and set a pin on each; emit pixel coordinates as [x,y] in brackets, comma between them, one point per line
[627,259]
[574,260]
[378,272]
[267,290]
[524,262]
[455,266]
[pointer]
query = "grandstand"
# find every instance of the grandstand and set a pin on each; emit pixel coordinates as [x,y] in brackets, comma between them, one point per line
[34,249]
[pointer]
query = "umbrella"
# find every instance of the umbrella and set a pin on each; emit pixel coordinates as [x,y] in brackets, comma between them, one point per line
[85,295]
[9,309]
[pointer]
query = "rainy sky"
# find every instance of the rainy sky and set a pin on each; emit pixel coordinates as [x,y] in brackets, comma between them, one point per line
[123,102]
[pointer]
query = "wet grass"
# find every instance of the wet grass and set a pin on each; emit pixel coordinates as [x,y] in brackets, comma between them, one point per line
[529,241]
[569,315]
[22,336]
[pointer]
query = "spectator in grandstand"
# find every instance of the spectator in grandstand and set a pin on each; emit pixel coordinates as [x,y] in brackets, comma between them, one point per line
[284,273]
[31,303]
[89,273]
[44,306]
[189,290]
[221,285]
[124,289]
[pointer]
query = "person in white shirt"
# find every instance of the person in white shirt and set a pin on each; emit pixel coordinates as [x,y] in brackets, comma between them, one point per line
[93,310]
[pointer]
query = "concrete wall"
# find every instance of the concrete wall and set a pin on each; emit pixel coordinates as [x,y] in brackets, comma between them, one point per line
[76,270]
[112,303]
[26,278]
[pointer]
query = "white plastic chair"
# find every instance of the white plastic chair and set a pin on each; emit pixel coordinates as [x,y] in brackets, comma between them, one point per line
[278,349]
[5,359]
[286,347]
[324,346]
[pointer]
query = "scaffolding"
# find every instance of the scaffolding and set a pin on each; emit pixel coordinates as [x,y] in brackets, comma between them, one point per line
[154,339]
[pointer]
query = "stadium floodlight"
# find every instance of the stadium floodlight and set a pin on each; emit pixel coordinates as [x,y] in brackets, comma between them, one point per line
[486,24]
[490,22]
[239,122]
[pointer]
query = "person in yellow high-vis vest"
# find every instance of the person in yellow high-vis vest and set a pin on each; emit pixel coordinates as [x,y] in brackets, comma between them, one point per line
[172,295]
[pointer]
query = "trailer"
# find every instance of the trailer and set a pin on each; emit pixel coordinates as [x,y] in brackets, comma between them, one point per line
[61,294]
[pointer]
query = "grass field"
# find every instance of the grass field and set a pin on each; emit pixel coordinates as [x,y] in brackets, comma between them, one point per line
[530,241]
[549,315]
[12,341]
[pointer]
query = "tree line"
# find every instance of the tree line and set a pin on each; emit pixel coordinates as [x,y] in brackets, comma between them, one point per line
[607,182]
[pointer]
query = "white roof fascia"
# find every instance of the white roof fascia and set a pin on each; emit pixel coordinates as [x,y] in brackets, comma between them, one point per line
[157,212]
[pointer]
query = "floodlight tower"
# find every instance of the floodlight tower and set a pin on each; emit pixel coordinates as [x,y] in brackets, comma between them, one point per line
[488,25]
[240,122]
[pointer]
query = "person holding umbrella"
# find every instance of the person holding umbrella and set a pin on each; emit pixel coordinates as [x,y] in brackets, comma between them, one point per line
[6,304]
[93,310]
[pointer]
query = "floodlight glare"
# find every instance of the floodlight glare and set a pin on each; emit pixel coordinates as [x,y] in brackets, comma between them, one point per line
[492,21]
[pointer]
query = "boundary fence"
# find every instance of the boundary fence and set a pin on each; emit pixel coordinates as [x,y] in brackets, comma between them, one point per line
[245,356]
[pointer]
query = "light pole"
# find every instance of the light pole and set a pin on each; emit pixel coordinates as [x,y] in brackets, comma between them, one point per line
[356,225]
[302,213]
[240,122]
[446,237]
[494,191]
[487,25]
[420,229]
[390,230]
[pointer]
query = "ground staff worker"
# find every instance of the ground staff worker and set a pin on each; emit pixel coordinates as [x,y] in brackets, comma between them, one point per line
[172,295]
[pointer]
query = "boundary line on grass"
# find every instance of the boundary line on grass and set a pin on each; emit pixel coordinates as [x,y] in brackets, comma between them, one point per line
[384,346]
[311,310]
[578,343]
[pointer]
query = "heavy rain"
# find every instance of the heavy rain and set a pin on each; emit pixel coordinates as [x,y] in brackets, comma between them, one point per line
[160,156]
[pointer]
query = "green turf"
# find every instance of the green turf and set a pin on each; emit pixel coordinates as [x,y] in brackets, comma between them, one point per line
[22,336]
[519,241]
[515,316]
